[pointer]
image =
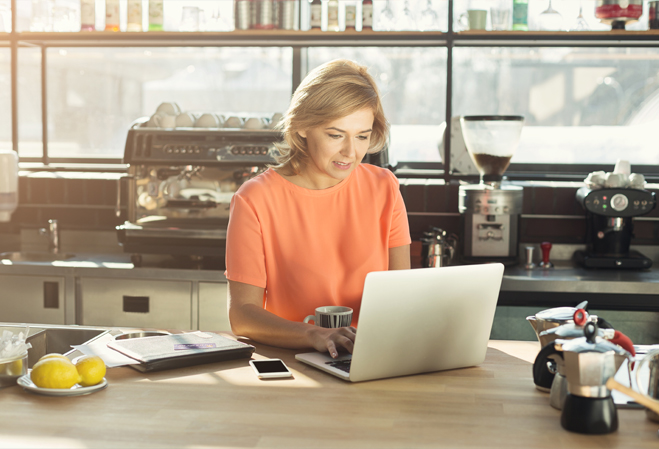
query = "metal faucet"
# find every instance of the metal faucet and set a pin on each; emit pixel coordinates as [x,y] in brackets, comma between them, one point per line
[53,236]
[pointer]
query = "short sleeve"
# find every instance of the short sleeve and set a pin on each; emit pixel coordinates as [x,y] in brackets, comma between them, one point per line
[245,255]
[399,234]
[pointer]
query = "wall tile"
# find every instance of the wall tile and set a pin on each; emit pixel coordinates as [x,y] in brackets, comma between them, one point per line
[95,191]
[106,218]
[415,195]
[75,191]
[57,190]
[38,191]
[452,198]
[543,201]
[565,202]
[23,190]
[527,202]
[436,200]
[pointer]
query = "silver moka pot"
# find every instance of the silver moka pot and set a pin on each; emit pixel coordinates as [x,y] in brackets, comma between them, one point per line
[589,362]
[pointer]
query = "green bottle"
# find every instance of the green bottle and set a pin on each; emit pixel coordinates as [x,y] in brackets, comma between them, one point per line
[156,16]
[520,15]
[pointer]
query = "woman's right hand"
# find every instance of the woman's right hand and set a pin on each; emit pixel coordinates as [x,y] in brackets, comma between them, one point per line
[333,340]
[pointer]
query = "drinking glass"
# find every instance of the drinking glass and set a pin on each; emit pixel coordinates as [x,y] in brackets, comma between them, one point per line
[386,20]
[428,19]
[190,19]
[500,15]
[581,24]
[406,21]
[550,19]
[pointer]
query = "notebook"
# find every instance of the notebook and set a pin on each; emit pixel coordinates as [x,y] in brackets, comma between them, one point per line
[179,350]
[417,321]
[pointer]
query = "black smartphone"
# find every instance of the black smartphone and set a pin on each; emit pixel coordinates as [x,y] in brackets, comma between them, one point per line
[270,369]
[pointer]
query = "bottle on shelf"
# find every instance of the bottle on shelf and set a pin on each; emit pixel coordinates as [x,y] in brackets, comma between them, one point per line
[242,14]
[87,15]
[156,15]
[520,15]
[285,13]
[315,15]
[263,15]
[333,15]
[134,22]
[367,15]
[351,17]
[112,17]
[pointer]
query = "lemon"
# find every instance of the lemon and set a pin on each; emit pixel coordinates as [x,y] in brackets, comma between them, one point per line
[53,355]
[91,369]
[53,372]
[15,368]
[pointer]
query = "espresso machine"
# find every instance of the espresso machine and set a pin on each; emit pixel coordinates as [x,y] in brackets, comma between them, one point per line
[490,210]
[609,225]
[179,187]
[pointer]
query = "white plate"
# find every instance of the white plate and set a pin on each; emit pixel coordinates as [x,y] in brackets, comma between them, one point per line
[76,390]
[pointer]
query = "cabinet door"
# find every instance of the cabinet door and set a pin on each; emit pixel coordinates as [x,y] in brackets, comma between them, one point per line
[32,299]
[136,303]
[213,312]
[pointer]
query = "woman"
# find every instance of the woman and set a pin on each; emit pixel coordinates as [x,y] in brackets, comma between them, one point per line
[305,233]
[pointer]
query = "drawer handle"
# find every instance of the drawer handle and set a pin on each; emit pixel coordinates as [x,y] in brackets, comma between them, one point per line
[136,304]
[51,295]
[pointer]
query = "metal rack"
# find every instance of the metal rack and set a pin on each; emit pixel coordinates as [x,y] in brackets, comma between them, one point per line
[300,41]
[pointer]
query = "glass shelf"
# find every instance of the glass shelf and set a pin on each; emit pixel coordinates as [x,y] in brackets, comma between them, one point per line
[261,38]
[281,38]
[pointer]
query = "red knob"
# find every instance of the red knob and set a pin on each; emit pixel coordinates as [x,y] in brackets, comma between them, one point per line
[546,247]
[580,317]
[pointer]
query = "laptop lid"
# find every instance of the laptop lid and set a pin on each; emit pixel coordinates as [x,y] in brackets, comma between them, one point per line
[425,319]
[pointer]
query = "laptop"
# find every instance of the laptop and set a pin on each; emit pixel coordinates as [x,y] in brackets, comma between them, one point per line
[418,321]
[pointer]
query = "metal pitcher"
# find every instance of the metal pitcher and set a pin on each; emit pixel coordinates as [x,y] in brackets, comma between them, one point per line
[438,248]
[652,359]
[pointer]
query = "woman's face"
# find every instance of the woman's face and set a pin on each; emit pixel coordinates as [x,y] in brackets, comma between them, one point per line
[336,148]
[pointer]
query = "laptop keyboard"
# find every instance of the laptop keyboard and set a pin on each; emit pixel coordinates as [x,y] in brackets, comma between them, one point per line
[343,365]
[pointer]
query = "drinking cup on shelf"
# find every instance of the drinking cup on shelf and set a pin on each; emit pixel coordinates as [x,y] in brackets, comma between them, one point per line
[185,120]
[168,121]
[207,120]
[254,123]
[168,109]
[233,122]
[473,19]
[275,119]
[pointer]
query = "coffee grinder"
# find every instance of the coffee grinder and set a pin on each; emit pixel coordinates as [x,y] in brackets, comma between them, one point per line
[490,210]
[609,226]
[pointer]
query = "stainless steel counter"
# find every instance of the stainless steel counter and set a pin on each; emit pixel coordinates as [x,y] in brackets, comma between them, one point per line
[112,265]
[561,285]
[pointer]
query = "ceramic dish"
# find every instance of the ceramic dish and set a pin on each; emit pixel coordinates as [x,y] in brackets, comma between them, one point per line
[77,390]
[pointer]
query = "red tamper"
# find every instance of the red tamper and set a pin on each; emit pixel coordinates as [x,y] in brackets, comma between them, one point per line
[545,247]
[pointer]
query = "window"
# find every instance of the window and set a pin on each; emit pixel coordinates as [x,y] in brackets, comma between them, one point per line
[94,94]
[412,83]
[582,105]
[5,99]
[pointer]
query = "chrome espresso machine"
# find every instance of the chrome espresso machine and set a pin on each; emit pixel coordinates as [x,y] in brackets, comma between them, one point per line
[490,210]
[180,183]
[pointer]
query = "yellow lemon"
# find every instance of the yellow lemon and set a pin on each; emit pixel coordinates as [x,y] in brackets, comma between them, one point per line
[91,369]
[54,372]
[54,355]
[15,368]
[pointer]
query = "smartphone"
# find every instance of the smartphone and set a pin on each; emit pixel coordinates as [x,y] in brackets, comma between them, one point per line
[270,369]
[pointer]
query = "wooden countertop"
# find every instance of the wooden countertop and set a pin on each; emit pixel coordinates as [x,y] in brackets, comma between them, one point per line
[494,405]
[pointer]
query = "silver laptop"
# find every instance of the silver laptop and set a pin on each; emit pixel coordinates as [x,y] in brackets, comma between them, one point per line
[418,321]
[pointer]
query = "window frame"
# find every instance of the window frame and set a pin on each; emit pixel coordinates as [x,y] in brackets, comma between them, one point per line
[300,41]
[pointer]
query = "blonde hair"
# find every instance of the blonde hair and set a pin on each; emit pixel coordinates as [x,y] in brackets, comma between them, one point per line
[329,92]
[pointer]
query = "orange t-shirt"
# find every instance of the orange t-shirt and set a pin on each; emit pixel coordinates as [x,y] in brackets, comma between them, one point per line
[313,248]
